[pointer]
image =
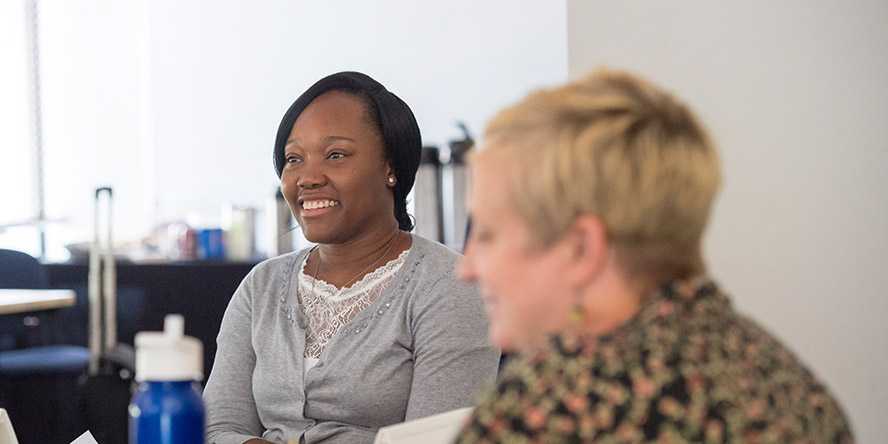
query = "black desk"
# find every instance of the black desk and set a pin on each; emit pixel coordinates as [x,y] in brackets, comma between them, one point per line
[200,291]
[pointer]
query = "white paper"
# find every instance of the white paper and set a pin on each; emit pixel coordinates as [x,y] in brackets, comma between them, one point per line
[7,435]
[85,438]
[436,429]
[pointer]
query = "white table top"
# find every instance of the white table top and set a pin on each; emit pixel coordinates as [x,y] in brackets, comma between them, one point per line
[22,301]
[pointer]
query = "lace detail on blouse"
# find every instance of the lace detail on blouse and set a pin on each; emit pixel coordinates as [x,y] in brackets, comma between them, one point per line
[327,309]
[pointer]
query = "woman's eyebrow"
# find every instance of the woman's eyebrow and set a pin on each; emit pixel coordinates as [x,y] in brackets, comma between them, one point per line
[328,139]
[338,138]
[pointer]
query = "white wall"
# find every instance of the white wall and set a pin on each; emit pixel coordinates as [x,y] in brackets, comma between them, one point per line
[223,73]
[796,94]
[176,104]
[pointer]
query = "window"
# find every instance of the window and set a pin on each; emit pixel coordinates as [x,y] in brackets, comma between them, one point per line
[18,194]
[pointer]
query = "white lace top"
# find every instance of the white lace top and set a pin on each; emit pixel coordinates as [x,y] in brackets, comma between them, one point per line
[327,309]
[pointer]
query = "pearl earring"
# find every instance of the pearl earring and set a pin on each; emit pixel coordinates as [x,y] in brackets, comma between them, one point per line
[391,180]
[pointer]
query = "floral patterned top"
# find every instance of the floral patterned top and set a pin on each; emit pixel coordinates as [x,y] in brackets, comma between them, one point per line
[686,368]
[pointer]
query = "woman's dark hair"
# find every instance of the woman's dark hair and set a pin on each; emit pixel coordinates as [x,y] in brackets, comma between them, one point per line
[392,117]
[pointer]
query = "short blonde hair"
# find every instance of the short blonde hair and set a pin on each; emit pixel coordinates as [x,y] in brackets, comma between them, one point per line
[622,149]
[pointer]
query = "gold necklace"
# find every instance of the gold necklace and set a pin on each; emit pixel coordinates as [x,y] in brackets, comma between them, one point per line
[389,245]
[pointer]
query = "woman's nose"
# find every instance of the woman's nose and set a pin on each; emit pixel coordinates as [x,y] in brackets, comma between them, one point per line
[311,176]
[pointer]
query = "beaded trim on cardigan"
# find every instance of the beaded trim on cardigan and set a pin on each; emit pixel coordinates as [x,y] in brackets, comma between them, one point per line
[328,309]
[292,312]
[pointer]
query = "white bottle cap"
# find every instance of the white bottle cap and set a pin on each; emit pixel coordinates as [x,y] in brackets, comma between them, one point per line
[168,355]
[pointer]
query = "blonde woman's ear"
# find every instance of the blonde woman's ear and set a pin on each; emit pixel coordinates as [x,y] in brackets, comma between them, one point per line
[589,249]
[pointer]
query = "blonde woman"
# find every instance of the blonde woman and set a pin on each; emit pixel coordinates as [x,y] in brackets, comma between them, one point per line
[590,202]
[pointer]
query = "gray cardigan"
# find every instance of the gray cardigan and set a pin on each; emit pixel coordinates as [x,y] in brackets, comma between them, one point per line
[420,349]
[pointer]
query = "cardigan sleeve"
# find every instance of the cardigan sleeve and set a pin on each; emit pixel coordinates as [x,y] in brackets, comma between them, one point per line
[232,417]
[453,359]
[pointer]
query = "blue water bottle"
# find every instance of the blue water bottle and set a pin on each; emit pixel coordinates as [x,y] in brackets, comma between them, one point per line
[167,407]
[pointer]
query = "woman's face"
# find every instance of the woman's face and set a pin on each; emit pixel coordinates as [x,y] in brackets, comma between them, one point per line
[519,279]
[335,174]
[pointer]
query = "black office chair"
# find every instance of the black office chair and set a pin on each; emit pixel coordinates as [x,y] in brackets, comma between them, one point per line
[18,354]
[37,379]
[18,270]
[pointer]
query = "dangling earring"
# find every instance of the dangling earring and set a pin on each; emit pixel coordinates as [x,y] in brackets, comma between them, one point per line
[570,339]
[577,315]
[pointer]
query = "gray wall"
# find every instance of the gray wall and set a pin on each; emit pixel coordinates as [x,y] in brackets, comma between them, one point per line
[796,94]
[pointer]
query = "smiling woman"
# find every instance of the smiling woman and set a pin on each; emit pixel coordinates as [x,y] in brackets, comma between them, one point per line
[370,327]
[336,175]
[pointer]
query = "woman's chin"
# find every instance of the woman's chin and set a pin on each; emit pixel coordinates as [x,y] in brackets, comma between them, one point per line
[503,344]
[503,338]
[318,235]
[521,339]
